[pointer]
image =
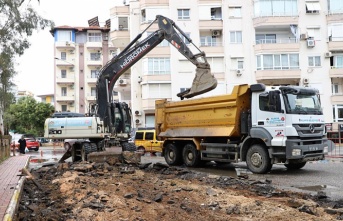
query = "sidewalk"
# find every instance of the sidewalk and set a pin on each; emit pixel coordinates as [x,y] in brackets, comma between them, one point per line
[11,184]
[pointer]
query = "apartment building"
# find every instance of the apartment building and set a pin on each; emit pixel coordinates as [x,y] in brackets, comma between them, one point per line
[79,54]
[275,42]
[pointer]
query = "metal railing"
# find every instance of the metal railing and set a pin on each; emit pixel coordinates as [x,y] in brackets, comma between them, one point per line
[277,41]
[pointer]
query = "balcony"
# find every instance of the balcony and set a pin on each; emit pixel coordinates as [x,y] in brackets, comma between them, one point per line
[211,24]
[65,45]
[149,103]
[212,48]
[273,45]
[146,3]
[120,38]
[91,97]
[334,17]
[336,44]
[275,20]
[69,79]
[277,77]
[160,77]
[336,72]
[122,85]
[65,98]
[119,10]
[337,99]
[65,63]
[94,45]
[91,80]
[94,62]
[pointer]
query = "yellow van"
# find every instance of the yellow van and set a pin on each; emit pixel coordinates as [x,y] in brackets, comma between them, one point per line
[145,141]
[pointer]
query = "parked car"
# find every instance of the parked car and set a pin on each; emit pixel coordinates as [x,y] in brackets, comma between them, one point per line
[31,142]
[145,141]
[42,140]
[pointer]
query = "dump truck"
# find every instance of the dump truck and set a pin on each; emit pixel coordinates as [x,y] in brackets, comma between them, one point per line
[257,124]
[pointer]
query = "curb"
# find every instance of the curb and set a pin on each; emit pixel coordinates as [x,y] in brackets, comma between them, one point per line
[13,206]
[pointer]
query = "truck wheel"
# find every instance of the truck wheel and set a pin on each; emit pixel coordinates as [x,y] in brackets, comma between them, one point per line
[85,150]
[295,166]
[191,156]
[141,150]
[258,160]
[94,148]
[172,155]
[128,146]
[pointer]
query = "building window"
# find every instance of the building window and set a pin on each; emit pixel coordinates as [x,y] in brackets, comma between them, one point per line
[143,16]
[63,56]
[93,91]
[95,56]
[149,121]
[63,91]
[312,7]
[265,38]
[94,37]
[335,88]
[314,61]
[64,107]
[63,73]
[235,37]
[277,61]
[338,61]
[64,35]
[314,33]
[335,6]
[94,73]
[276,8]
[216,13]
[240,64]
[208,41]
[158,66]
[337,113]
[235,12]
[335,32]
[156,91]
[183,14]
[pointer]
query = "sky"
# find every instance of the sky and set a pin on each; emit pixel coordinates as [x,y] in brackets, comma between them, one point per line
[35,69]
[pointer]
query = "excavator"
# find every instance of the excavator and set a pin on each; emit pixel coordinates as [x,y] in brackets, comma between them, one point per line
[109,122]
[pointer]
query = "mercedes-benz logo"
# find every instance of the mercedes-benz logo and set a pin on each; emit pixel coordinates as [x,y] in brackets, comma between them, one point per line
[312,128]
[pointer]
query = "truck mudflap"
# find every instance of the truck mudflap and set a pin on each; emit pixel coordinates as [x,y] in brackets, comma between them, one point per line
[303,153]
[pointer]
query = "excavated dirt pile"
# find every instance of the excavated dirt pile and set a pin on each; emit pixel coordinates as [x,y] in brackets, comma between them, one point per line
[101,191]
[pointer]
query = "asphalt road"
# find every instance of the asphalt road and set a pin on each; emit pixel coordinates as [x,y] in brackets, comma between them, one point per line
[325,175]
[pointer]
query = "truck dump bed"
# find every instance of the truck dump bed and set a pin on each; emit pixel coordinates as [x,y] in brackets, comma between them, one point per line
[217,116]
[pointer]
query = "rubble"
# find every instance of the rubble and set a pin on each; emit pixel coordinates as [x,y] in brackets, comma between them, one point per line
[115,190]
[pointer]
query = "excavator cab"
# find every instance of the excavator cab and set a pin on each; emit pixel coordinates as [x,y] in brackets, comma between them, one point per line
[121,117]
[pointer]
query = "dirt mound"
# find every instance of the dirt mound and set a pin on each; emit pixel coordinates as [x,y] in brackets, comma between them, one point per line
[100,191]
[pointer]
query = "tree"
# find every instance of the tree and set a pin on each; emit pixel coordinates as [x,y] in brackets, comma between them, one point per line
[18,20]
[28,116]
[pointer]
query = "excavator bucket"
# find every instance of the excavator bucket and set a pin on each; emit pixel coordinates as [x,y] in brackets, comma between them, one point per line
[203,82]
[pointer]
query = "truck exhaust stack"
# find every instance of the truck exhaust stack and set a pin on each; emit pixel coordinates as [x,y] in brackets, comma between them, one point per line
[203,82]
